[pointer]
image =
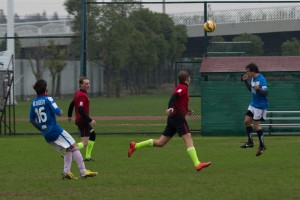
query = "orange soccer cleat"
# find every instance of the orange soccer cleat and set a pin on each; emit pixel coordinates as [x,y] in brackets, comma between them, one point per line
[202,165]
[131,148]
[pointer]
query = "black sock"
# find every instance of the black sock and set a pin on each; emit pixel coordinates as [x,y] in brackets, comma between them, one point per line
[249,133]
[260,136]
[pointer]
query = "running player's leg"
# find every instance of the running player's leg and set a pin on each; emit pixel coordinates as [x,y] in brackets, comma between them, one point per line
[90,146]
[192,152]
[67,160]
[84,134]
[248,124]
[162,141]
[259,115]
[184,132]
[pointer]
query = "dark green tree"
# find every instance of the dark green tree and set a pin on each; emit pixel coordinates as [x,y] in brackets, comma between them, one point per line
[291,47]
[3,45]
[3,19]
[254,48]
[55,16]
[128,38]
[164,42]
[217,46]
[144,48]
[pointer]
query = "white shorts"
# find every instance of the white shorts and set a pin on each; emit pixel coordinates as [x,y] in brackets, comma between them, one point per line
[258,114]
[64,141]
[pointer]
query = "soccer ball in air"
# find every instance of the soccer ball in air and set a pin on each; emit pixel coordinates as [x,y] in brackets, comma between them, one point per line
[209,26]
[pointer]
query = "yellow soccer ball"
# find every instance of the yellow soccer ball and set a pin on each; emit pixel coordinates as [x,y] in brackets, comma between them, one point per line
[209,26]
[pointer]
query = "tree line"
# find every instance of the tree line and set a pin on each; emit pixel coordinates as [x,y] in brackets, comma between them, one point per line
[250,45]
[29,18]
[136,47]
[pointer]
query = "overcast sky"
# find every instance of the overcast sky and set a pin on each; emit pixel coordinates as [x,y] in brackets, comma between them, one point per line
[27,7]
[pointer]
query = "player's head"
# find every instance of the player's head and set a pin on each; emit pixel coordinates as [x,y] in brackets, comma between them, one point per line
[184,77]
[84,83]
[252,68]
[40,87]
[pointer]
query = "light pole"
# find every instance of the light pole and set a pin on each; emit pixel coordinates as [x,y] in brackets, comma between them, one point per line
[83,39]
[11,45]
[10,27]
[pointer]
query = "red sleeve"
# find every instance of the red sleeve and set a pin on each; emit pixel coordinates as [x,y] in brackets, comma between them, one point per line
[82,101]
[180,91]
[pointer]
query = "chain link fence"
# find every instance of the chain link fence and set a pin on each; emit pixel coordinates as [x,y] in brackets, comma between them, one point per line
[136,48]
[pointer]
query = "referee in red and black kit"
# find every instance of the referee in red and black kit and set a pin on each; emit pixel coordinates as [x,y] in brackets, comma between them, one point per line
[81,103]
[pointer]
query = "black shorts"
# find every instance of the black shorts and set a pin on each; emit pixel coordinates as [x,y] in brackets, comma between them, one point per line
[176,125]
[84,131]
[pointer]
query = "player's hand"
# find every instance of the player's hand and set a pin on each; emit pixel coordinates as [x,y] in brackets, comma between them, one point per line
[190,112]
[170,110]
[69,119]
[256,86]
[93,122]
[244,77]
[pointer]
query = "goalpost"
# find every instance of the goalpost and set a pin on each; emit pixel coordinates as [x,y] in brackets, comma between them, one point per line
[7,96]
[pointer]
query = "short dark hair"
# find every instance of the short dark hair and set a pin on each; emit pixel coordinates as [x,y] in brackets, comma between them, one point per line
[40,86]
[252,68]
[183,76]
[81,79]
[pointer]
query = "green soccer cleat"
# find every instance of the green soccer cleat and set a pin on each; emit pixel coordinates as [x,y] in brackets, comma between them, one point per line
[68,175]
[88,173]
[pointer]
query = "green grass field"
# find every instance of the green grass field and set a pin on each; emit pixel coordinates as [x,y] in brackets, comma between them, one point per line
[30,169]
[143,105]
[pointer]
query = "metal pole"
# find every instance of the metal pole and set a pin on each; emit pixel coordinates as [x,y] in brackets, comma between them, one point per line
[83,39]
[11,42]
[205,33]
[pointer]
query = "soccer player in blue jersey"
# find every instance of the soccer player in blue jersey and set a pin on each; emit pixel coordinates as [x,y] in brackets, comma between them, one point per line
[257,110]
[43,113]
[177,110]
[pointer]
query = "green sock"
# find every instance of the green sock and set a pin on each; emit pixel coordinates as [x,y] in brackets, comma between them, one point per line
[193,154]
[80,145]
[89,149]
[146,143]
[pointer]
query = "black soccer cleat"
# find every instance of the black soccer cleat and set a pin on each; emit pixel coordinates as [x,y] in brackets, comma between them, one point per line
[260,150]
[88,159]
[247,145]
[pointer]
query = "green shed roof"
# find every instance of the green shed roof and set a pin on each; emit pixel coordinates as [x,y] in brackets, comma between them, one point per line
[238,64]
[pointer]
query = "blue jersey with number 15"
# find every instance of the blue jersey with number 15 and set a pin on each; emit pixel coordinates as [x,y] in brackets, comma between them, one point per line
[43,110]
